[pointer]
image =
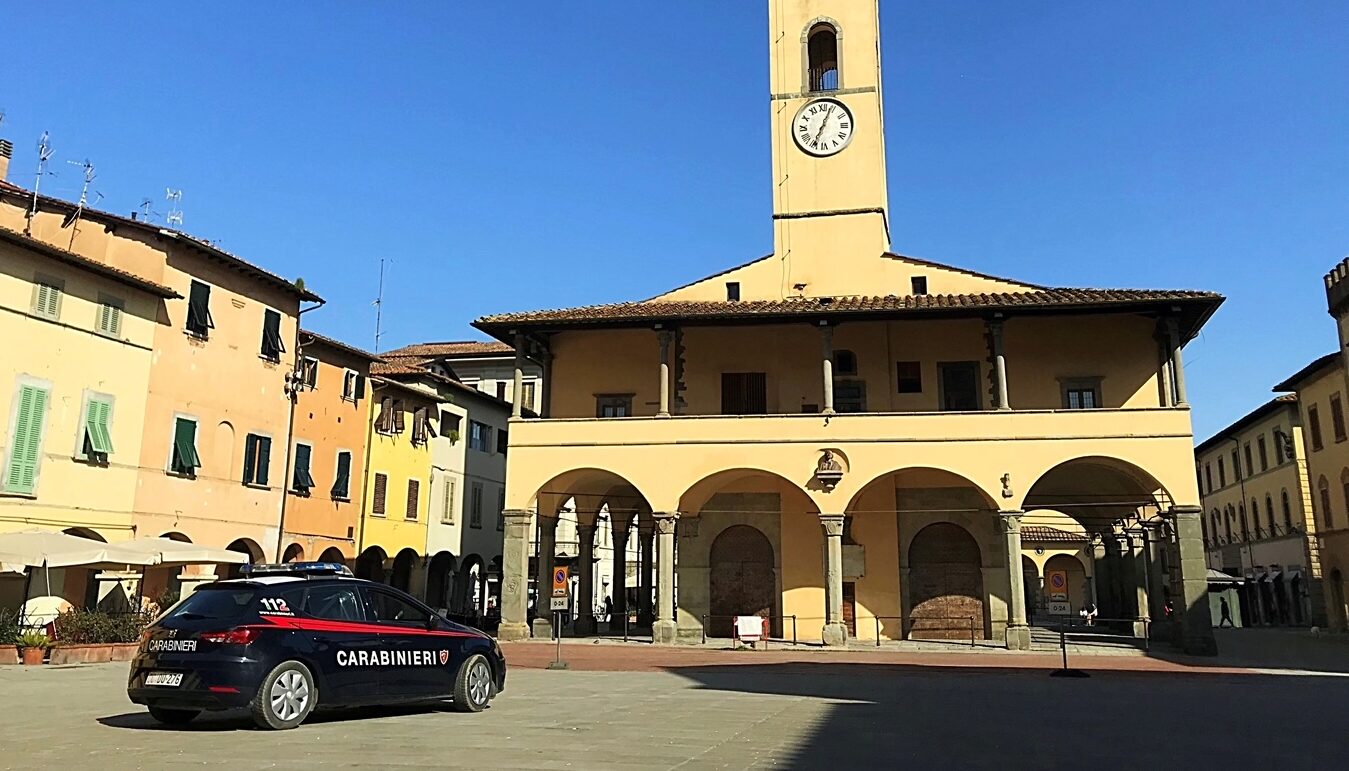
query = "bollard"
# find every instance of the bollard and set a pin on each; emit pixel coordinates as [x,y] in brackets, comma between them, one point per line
[557,662]
[1066,672]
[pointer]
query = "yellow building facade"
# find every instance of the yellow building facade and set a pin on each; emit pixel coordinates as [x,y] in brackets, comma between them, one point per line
[849,439]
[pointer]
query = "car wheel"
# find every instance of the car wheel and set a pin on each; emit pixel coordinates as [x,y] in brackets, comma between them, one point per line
[473,685]
[286,697]
[174,716]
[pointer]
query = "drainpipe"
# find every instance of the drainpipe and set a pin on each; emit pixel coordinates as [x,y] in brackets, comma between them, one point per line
[365,477]
[293,394]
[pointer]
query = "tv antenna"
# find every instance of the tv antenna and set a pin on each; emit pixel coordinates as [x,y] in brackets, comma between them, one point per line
[147,209]
[379,307]
[74,216]
[44,154]
[175,199]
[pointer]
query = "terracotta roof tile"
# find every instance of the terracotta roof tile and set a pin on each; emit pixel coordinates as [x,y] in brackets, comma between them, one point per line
[338,344]
[1050,534]
[94,266]
[454,348]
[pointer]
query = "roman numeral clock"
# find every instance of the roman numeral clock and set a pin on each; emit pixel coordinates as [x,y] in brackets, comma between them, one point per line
[823,127]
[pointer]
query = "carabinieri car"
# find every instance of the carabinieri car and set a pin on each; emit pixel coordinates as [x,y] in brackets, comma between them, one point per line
[286,639]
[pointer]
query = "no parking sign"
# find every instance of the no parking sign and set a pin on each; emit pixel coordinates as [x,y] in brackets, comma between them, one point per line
[1056,583]
[561,585]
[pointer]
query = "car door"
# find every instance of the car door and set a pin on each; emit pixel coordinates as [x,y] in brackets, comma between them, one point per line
[420,652]
[346,643]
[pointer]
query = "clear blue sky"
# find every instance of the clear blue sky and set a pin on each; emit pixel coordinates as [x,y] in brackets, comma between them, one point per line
[512,156]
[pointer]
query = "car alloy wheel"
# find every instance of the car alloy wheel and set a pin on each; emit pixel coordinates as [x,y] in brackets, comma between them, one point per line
[480,683]
[289,696]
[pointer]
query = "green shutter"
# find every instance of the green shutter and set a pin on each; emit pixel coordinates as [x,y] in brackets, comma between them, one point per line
[302,481]
[250,455]
[342,485]
[185,457]
[21,474]
[96,426]
[199,309]
[264,460]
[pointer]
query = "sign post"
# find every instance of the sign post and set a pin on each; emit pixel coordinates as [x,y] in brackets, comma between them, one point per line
[558,604]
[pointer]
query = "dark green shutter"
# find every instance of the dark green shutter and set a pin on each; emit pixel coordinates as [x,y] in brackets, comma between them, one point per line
[342,485]
[271,335]
[199,309]
[360,387]
[185,457]
[302,481]
[264,459]
[250,450]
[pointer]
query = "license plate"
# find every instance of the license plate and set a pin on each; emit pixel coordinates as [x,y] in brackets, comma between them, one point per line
[169,679]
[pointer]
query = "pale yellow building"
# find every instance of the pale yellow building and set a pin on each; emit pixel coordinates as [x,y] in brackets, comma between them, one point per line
[78,341]
[1258,522]
[848,439]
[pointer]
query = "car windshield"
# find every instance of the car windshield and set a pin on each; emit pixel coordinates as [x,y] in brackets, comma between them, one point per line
[214,602]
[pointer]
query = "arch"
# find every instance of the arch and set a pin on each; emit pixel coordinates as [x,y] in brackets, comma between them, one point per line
[588,488]
[1030,584]
[245,546]
[742,580]
[823,41]
[1269,514]
[400,577]
[1245,523]
[469,596]
[946,583]
[1100,492]
[222,449]
[1327,517]
[370,565]
[1287,511]
[924,477]
[440,580]
[1255,516]
[293,553]
[698,495]
[1078,588]
[174,535]
[1227,522]
[333,554]
[84,532]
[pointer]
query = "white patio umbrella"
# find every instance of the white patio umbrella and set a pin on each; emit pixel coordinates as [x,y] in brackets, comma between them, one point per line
[49,549]
[167,552]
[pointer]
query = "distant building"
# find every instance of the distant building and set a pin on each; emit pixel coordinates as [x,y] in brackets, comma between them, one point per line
[1258,523]
[486,366]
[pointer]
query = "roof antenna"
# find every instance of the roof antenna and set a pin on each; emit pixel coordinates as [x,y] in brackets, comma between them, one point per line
[147,209]
[379,307]
[175,198]
[44,154]
[74,216]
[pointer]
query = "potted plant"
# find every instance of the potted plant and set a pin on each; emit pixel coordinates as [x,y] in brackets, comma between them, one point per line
[33,646]
[93,637]
[9,636]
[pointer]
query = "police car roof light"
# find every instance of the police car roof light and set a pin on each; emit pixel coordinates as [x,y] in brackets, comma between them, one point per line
[296,569]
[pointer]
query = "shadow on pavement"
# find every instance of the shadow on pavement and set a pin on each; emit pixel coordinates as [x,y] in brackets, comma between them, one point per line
[891,716]
[240,720]
[1288,649]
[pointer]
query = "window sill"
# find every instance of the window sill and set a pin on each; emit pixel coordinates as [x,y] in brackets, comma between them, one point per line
[200,337]
[299,493]
[378,515]
[269,359]
[256,486]
[180,474]
[24,496]
[86,461]
[341,499]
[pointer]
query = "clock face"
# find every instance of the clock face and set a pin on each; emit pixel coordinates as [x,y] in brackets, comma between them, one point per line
[823,127]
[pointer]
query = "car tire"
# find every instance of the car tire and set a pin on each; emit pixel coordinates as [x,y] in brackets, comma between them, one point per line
[474,684]
[174,716]
[285,698]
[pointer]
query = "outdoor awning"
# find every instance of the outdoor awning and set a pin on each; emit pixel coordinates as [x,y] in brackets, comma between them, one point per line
[167,552]
[46,548]
[1219,577]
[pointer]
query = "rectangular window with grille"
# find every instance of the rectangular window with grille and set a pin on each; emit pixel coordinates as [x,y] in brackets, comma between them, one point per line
[199,321]
[414,492]
[302,481]
[47,293]
[1264,452]
[342,480]
[309,372]
[528,392]
[25,440]
[272,347]
[96,444]
[1314,423]
[257,459]
[613,406]
[109,316]
[380,497]
[184,459]
[1250,467]
[475,505]
[744,393]
[447,495]
[1337,417]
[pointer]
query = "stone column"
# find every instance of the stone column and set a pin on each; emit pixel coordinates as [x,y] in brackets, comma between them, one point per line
[1177,362]
[827,357]
[543,577]
[1196,623]
[1143,613]
[664,630]
[664,336]
[517,395]
[514,575]
[646,530]
[546,388]
[585,584]
[621,523]
[999,363]
[1018,629]
[835,631]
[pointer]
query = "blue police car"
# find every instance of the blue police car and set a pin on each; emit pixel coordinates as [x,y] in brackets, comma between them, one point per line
[284,640]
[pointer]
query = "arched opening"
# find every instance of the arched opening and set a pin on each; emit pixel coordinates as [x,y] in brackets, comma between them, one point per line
[1323,493]
[401,575]
[84,532]
[333,554]
[1287,512]
[245,546]
[293,553]
[946,584]
[1079,589]
[1030,585]
[469,597]
[742,581]
[173,535]
[81,586]
[440,581]
[370,565]
[1269,515]
[1255,516]
[822,49]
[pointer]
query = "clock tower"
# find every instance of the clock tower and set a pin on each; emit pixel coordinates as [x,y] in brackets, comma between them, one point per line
[830,205]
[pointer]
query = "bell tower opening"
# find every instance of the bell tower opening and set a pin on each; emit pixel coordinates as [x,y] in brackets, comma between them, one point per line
[822,58]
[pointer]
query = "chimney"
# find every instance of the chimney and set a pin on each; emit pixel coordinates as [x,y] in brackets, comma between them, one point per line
[6,152]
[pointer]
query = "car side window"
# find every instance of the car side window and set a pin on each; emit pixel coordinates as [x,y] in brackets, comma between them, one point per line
[334,603]
[390,609]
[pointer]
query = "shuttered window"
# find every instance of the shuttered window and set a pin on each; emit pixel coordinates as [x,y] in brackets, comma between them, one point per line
[47,297]
[342,484]
[185,459]
[26,440]
[109,316]
[475,506]
[744,393]
[199,321]
[447,492]
[302,481]
[271,336]
[414,492]
[97,445]
[257,459]
[377,506]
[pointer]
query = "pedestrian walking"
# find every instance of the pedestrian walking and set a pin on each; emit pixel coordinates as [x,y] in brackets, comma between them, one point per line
[1225,611]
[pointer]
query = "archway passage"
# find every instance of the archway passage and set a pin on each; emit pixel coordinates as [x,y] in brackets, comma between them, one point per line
[440,580]
[294,553]
[333,554]
[742,582]
[1077,585]
[370,565]
[401,575]
[1030,585]
[946,584]
[245,546]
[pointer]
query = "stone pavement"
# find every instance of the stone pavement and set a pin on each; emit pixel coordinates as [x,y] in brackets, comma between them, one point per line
[697,709]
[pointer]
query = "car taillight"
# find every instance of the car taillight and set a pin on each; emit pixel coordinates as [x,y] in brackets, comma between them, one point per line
[231,637]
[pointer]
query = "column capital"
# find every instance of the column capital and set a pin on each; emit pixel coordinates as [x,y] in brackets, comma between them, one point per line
[1179,512]
[832,524]
[665,521]
[1010,521]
